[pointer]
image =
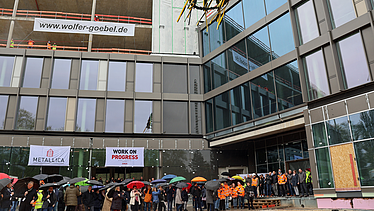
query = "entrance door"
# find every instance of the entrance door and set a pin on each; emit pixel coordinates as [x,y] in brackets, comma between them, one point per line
[344,168]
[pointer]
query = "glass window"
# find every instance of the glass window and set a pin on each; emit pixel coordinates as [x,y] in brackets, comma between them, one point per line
[263,95]
[175,78]
[353,61]
[3,109]
[143,116]
[215,36]
[319,134]
[338,130]
[364,155]
[293,151]
[205,37]
[288,86]
[305,149]
[209,115]
[272,5]
[362,125]
[33,72]
[237,60]
[86,115]
[254,11]
[196,118]
[115,116]
[98,157]
[219,71]
[261,156]
[307,22]
[281,36]
[240,104]
[195,87]
[144,77]
[26,116]
[117,76]
[207,77]
[233,20]
[222,117]
[341,11]
[274,167]
[6,70]
[56,113]
[61,73]
[317,83]
[258,47]
[175,118]
[89,72]
[325,177]
[262,168]
[272,154]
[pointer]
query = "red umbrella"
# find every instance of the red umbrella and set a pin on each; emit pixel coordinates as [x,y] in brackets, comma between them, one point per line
[14,181]
[3,175]
[188,188]
[138,184]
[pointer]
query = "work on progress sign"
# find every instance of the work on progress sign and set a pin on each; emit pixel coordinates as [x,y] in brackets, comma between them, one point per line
[124,157]
[83,27]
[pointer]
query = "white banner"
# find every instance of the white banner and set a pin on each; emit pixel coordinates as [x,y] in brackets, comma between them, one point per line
[124,157]
[83,27]
[49,155]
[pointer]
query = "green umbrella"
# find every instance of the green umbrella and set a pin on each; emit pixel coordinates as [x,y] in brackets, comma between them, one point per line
[82,183]
[177,179]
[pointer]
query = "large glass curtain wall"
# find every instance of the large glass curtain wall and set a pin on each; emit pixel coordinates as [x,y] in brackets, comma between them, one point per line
[274,91]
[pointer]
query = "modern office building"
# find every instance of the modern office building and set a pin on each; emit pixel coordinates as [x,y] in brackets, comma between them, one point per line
[281,84]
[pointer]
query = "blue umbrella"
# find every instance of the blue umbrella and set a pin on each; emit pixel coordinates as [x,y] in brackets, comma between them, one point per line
[169,177]
[158,181]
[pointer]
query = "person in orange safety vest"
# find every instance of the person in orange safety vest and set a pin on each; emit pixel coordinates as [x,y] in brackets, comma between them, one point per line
[241,193]
[30,43]
[282,179]
[222,196]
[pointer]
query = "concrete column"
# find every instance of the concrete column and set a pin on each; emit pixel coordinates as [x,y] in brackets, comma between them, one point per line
[90,37]
[11,27]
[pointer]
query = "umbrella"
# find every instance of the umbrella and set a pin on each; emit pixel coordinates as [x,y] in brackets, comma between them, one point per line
[3,175]
[225,174]
[76,180]
[21,185]
[223,180]
[188,188]
[238,178]
[83,188]
[145,182]
[126,181]
[64,181]
[165,184]
[94,182]
[212,185]
[14,181]
[40,176]
[158,181]
[198,179]
[96,186]
[4,182]
[182,185]
[177,179]
[110,192]
[48,185]
[109,185]
[169,177]
[138,184]
[54,178]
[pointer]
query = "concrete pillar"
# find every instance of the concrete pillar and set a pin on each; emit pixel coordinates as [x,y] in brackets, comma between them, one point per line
[90,37]
[11,27]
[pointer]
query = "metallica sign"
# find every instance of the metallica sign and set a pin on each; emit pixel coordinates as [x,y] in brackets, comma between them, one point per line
[49,156]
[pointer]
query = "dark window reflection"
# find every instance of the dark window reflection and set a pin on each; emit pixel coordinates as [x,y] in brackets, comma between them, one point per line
[263,95]
[115,116]
[151,158]
[237,60]
[89,74]
[175,116]
[274,167]
[219,72]
[305,149]
[143,116]
[319,134]
[207,77]
[338,130]
[117,76]
[175,78]
[6,70]
[272,5]
[3,109]
[26,115]
[262,169]
[216,37]
[233,20]
[56,113]
[364,154]
[362,125]
[61,73]
[33,72]
[240,104]
[281,36]
[258,47]
[261,156]
[254,10]
[86,115]
[293,151]
[325,178]
[195,87]
[272,153]
[209,115]
[222,111]
[288,86]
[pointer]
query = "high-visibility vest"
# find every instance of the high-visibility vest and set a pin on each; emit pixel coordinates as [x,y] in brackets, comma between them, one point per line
[282,179]
[240,190]
[234,192]
[254,181]
[221,194]
[308,179]
[11,44]
[227,190]
[39,202]
[31,42]
[54,47]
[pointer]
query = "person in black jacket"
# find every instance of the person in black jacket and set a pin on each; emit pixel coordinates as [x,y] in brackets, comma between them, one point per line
[274,183]
[268,181]
[6,197]
[61,202]
[49,200]
[161,198]
[88,199]
[29,198]
[98,200]
[249,195]
[117,199]
[196,194]
[170,192]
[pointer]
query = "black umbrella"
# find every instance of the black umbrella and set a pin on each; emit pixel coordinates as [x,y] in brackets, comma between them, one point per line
[145,182]
[212,185]
[48,185]
[111,191]
[77,179]
[21,185]
[40,176]
[109,185]
[223,180]
[94,182]
[225,174]
[182,185]
[66,178]
[162,184]
[4,182]
[126,181]
[62,182]
[54,178]
[83,188]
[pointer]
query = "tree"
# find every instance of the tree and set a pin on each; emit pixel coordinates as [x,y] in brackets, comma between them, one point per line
[25,120]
